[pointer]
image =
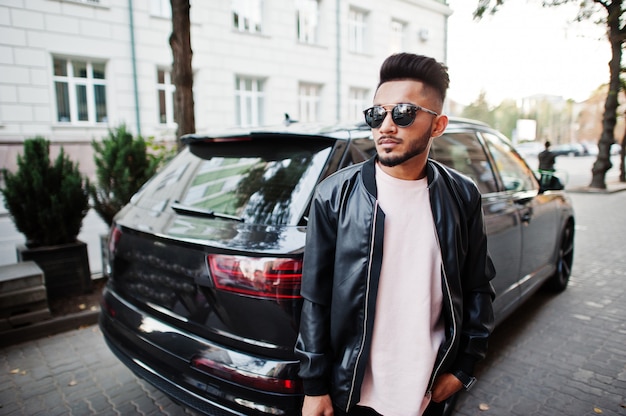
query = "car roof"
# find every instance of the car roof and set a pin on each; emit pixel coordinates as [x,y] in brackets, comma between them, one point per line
[335,131]
[339,131]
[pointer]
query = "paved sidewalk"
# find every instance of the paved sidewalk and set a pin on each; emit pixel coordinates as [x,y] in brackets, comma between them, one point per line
[74,373]
[565,355]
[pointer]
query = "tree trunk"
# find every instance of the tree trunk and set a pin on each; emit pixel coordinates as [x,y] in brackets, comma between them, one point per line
[609,119]
[622,159]
[182,73]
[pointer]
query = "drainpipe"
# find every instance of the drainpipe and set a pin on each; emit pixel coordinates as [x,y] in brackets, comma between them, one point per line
[338,62]
[134,63]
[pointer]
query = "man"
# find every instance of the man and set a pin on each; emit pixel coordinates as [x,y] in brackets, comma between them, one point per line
[396,282]
[546,169]
[546,158]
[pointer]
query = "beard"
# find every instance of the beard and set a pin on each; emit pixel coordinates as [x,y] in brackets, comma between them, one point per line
[417,148]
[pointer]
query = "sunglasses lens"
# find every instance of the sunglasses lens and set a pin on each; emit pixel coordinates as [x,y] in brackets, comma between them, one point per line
[403,114]
[374,116]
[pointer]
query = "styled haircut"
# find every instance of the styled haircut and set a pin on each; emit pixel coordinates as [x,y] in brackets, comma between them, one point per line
[422,68]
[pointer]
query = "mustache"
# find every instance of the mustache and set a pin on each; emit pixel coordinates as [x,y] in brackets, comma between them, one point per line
[387,138]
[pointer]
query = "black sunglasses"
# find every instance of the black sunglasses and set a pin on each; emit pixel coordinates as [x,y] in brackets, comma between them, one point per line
[401,114]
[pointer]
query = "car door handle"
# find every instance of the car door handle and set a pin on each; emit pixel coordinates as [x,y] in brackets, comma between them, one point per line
[527,214]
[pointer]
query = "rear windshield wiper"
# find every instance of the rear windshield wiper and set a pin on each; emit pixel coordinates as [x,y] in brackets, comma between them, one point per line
[199,212]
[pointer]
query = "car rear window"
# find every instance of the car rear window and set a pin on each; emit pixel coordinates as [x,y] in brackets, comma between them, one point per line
[258,181]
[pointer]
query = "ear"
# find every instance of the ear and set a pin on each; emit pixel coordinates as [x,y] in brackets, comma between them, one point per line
[439,125]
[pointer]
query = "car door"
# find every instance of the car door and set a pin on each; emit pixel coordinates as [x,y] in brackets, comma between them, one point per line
[461,150]
[538,214]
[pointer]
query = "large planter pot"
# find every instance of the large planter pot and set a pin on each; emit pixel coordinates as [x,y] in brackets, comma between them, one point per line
[65,267]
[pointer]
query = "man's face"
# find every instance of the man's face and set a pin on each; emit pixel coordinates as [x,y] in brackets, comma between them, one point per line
[398,145]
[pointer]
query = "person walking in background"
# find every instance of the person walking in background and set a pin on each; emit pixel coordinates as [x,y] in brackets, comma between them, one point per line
[397,298]
[546,158]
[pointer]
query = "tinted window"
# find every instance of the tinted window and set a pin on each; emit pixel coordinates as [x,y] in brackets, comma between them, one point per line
[516,175]
[463,152]
[259,181]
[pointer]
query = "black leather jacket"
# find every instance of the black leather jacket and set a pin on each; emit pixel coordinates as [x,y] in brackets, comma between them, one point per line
[342,263]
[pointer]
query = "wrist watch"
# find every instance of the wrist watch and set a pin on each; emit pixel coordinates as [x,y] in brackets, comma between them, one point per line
[467,381]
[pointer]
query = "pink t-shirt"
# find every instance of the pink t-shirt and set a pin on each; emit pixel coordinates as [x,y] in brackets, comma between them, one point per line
[408,327]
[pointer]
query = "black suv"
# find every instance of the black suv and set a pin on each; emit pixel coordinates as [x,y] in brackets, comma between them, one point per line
[205,261]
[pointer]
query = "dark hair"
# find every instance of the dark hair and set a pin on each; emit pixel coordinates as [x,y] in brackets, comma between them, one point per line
[416,67]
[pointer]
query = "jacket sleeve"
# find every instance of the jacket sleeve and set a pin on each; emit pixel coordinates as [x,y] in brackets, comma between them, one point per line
[313,343]
[478,293]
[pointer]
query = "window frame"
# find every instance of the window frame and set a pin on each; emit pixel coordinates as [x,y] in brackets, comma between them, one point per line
[530,184]
[309,101]
[242,13]
[306,17]
[358,100]
[357,30]
[249,103]
[397,41]
[168,89]
[73,84]
[161,8]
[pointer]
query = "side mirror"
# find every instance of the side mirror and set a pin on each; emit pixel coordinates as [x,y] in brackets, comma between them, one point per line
[549,181]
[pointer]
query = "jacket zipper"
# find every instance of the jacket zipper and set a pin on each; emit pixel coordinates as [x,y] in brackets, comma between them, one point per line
[366,308]
[454,324]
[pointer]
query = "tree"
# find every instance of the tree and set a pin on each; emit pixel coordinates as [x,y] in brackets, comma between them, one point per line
[479,110]
[616,35]
[182,73]
[506,115]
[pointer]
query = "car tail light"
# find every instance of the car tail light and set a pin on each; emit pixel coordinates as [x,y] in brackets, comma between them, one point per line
[114,237]
[107,256]
[276,278]
[248,379]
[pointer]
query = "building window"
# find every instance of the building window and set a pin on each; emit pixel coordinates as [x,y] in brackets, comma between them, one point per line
[309,102]
[249,102]
[308,20]
[80,88]
[161,8]
[358,100]
[357,20]
[165,91]
[247,15]
[398,30]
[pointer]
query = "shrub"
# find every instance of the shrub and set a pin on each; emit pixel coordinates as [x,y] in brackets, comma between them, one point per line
[123,165]
[47,202]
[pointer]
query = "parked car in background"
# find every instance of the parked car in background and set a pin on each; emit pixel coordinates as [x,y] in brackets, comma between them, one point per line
[569,149]
[205,261]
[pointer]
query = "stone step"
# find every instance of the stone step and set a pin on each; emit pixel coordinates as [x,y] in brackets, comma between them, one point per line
[23,298]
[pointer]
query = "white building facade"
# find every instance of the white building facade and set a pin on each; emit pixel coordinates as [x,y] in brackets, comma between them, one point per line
[70,70]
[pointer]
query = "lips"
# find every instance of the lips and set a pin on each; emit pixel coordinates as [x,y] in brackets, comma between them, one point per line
[387,142]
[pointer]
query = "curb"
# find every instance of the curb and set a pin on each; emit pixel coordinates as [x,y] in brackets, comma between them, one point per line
[611,188]
[49,327]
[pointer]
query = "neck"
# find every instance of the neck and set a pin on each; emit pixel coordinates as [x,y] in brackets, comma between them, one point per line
[410,170]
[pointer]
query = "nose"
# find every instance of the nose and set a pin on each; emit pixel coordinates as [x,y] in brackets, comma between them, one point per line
[388,123]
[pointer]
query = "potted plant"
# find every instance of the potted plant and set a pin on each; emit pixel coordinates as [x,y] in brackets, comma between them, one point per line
[47,202]
[123,165]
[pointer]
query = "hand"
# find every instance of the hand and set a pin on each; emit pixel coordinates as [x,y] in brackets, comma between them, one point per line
[317,406]
[445,386]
